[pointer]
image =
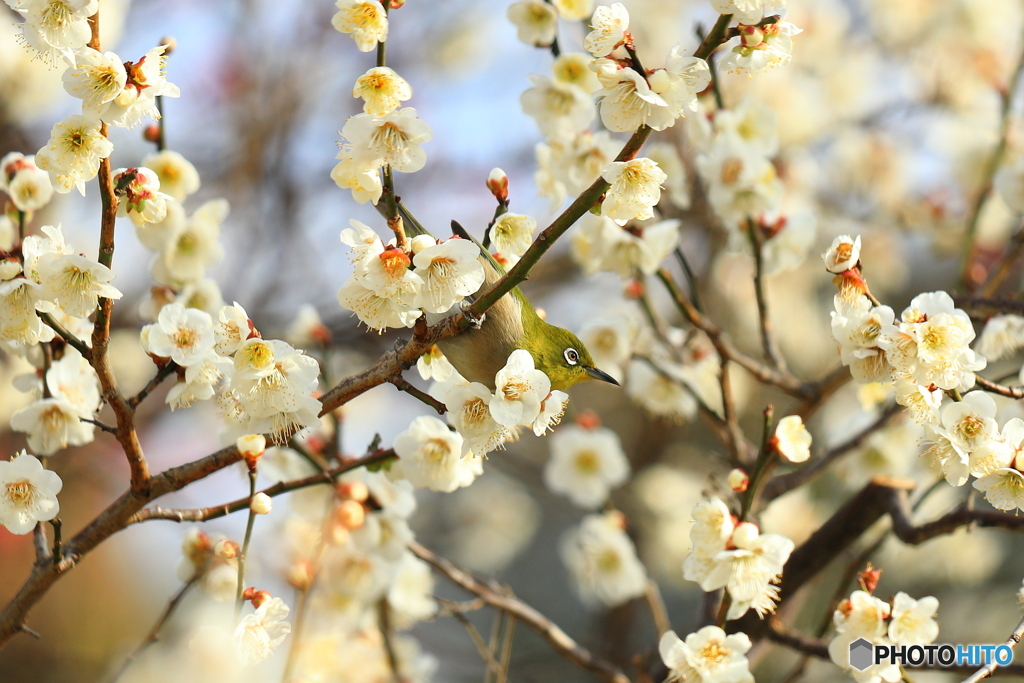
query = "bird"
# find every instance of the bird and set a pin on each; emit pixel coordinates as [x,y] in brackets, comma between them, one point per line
[512,323]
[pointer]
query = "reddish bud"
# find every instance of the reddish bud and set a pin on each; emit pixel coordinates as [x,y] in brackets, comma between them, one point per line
[497,183]
[868,579]
[738,480]
[353,490]
[151,133]
[588,419]
[226,550]
[751,36]
[616,518]
[350,514]
[300,575]
[256,597]
[634,289]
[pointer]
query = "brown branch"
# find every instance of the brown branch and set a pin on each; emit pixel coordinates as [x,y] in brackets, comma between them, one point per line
[514,607]
[916,534]
[995,388]
[163,373]
[990,668]
[984,308]
[787,482]
[62,332]
[215,511]
[771,349]
[403,384]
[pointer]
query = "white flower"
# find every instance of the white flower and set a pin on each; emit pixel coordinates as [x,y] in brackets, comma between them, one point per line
[56,27]
[574,10]
[913,621]
[635,189]
[1001,337]
[551,410]
[559,108]
[140,195]
[185,335]
[410,597]
[390,140]
[430,456]
[1003,488]
[469,412]
[602,561]
[659,392]
[536,22]
[520,388]
[146,82]
[679,82]
[72,379]
[742,11]
[374,311]
[585,464]
[434,365]
[27,185]
[761,48]
[857,327]
[792,440]
[363,180]
[389,275]
[450,271]
[19,298]
[193,247]
[749,571]
[382,90]
[232,330]
[608,29]
[96,79]
[52,424]
[28,493]
[567,166]
[260,632]
[574,68]
[72,155]
[201,379]
[707,656]
[178,177]
[862,616]
[75,282]
[742,183]
[512,234]
[970,423]
[364,20]
[843,254]
[625,251]
[628,101]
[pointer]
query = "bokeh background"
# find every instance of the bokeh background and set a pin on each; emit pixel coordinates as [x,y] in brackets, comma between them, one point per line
[887,116]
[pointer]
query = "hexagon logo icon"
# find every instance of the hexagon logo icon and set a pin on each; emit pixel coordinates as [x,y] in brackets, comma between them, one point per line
[862,654]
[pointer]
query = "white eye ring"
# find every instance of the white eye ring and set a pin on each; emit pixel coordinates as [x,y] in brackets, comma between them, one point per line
[572,356]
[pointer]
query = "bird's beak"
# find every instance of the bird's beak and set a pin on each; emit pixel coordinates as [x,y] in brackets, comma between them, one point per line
[601,375]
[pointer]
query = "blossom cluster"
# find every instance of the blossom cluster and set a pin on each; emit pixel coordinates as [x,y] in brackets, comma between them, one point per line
[735,556]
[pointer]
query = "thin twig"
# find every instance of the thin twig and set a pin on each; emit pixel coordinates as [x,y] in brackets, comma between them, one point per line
[771,350]
[558,639]
[659,614]
[993,387]
[991,667]
[455,611]
[403,384]
[163,373]
[154,632]
[69,339]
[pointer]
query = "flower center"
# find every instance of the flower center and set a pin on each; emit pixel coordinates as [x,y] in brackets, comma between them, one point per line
[20,493]
[587,462]
[514,390]
[713,653]
[185,337]
[436,449]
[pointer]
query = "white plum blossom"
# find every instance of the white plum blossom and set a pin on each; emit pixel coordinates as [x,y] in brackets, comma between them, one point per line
[792,440]
[536,22]
[742,11]
[431,456]
[552,408]
[72,155]
[585,464]
[520,388]
[610,342]
[450,271]
[707,656]
[512,234]
[635,189]
[390,140]
[52,424]
[363,180]
[56,28]
[260,632]
[75,283]
[913,621]
[185,335]
[749,570]
[857,327]
[469,412]
[374,311]
[608,29]
[1001,337]
[574,68]
[628,100]
[365,21]
[28,493]
[410,596]
[559,108]
[602,561]
[862,616]
[661,391]
[382,90]
[389,275]
[761,48]
[178,177]
[233,328]
[27,185]
[567,166]
[638,248]
[96,79]
[742,184]
[678,84]
[140,195]
[574,10]
[843,254]
[434,365]
[193,247]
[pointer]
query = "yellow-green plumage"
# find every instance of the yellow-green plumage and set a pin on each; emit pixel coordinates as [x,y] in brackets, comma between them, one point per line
[510,324]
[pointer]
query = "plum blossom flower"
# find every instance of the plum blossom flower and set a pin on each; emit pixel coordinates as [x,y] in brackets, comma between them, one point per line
[431,456]
[792,440]
[536,22]
[364,20]
[96,79]
[585,464]
[520,388]
[72,155]
[512,234]
[707,656]
[559,108]
[260,632]
[603,562]
[382,90]
[608,29]
[913,621]
[28,493]
[390,140]
[635,189]
[27,185]
[843,254]
[178,177]
[52,424]
[185,335]
[469,412]
[450,271]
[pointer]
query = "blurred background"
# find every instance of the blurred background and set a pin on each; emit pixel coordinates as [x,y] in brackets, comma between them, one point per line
[886,117]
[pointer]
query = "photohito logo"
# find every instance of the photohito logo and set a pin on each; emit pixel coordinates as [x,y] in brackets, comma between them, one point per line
[864,654]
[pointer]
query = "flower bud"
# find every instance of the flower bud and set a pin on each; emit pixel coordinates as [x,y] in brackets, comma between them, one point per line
[588,419]
[350,514]
[251,446]
[868,579]
[745,534]
[792,440]
[151,133]
[738,480]
[300,575]
[616,518]
[634,289]
[256,597]
[9,269]
[226,549]
[843,254]
[338,535]
[750,36]
[497,183]
[421,242]
[261,504]
[353,490]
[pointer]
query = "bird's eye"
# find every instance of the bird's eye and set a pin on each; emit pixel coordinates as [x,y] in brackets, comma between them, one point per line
[572,356]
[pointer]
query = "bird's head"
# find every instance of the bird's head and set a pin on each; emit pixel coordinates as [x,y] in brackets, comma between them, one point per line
[563,358]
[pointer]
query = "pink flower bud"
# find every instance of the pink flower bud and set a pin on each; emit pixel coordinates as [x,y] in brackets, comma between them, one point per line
[497,183]
[225,549]
[738,480]
[251,446]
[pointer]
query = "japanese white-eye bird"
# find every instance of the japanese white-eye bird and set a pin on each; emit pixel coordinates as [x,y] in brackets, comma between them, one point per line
[513,323]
